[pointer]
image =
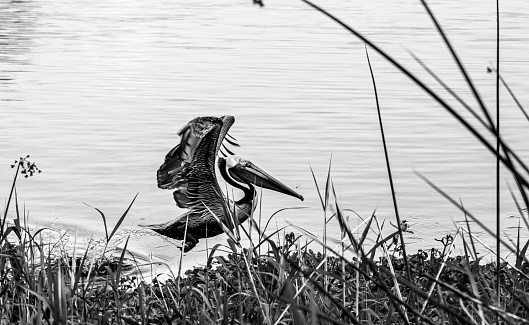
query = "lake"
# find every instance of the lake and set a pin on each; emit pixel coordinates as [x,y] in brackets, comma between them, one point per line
[96,92]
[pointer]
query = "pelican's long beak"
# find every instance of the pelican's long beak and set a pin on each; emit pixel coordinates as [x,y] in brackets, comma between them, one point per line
[255,175]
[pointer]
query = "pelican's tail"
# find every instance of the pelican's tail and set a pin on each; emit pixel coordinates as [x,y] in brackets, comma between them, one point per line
[169,229]
[175,229]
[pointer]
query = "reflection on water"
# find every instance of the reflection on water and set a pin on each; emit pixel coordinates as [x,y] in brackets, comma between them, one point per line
[17,31]
[96,91]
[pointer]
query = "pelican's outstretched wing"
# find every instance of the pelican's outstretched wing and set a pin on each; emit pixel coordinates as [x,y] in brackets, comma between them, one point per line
[190,166]
[180,157]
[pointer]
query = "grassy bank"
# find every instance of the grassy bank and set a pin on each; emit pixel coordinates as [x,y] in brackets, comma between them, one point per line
[367,276]
[277,279]
[285,284]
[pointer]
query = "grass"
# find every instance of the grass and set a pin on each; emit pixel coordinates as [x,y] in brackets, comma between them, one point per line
[278,279]
[365,277]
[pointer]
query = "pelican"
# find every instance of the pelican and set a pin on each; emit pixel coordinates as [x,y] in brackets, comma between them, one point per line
[190,169]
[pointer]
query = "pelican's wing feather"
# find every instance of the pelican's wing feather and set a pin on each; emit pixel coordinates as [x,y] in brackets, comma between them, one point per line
[172,173]
[202,186]
[190,166]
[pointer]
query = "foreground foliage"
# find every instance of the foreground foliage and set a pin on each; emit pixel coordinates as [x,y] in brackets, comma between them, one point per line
[280,281]
[287,284]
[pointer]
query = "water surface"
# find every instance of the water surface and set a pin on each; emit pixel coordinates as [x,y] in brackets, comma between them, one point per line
[96,91]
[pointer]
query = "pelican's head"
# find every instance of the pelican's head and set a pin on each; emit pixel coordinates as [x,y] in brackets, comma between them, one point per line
[244,171]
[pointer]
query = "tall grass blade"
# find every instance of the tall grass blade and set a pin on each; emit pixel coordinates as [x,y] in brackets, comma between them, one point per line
[327,194]
[79,272]
[459,64]
[40,297]
[469,230]
[226,230]
[121,259]
[498,147]
[328,185]
[390,177]
[274,214]
[382,242]
[513,96]
[452,92]
[182,252]
[2,225]
[102,217]
[521,256]
[454,202]
[391,268]
[116,227]
[366,230]
[445,258]
[317,188]
[518,207]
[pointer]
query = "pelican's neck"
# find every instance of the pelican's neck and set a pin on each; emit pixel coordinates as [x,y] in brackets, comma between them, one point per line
[249,189]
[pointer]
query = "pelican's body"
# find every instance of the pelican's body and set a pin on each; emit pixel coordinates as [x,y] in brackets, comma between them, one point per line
[190,169]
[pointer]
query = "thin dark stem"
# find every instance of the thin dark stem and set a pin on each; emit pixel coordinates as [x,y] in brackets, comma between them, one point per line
[452,92]
[388,166]
[469,230]
[459,64]
[498,146]
[3,222]
[513,97]
[509,90]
